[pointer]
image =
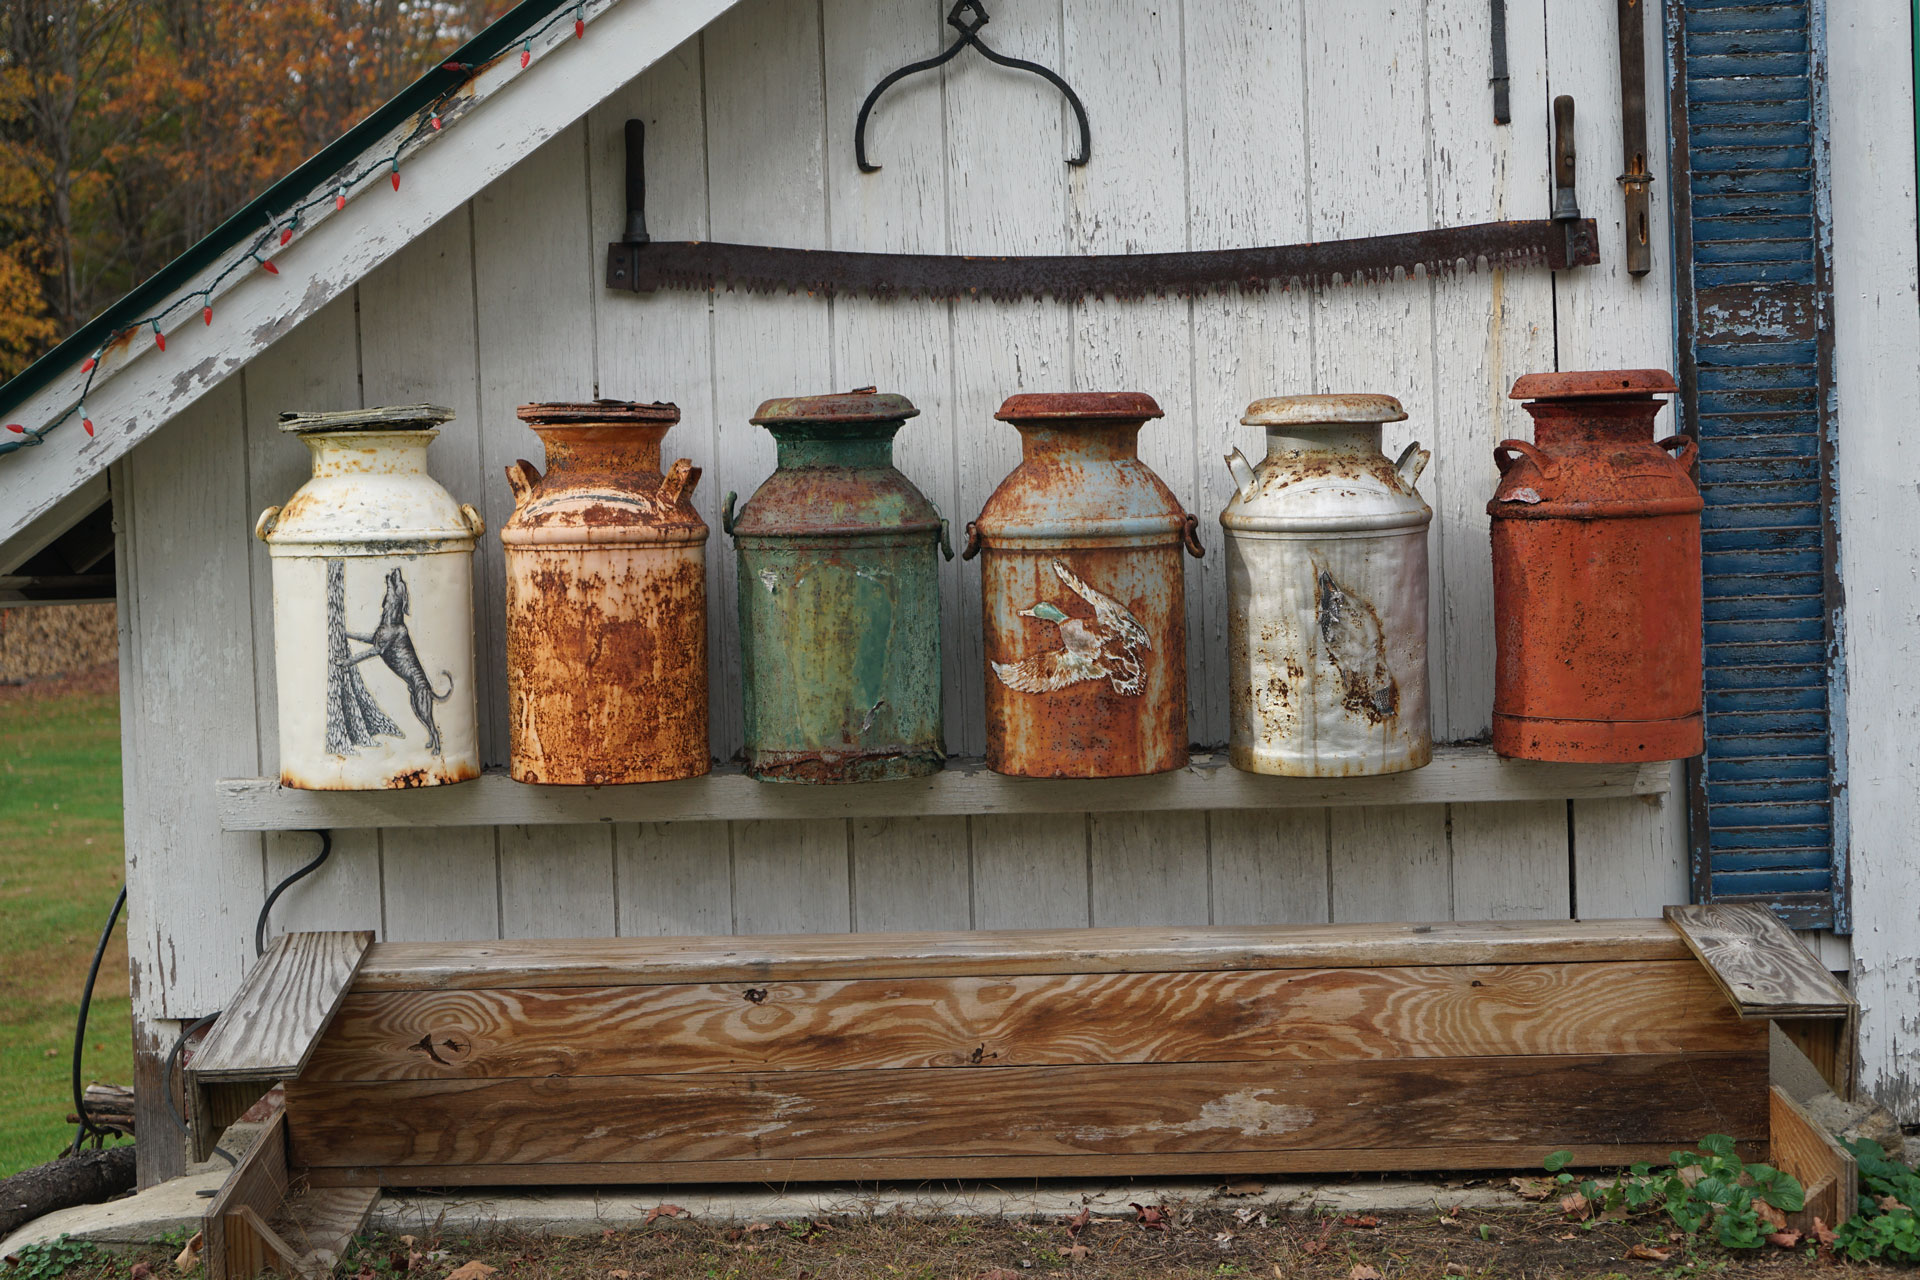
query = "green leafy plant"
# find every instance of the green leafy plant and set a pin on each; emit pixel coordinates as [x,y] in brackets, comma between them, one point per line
[1888,1224]
[47,1259]
[1709,1190]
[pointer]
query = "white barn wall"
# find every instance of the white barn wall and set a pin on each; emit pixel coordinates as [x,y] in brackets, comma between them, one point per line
[1876,287]
[1214,124]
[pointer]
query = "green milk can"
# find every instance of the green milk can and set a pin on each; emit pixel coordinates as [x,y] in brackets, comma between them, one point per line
[839,598]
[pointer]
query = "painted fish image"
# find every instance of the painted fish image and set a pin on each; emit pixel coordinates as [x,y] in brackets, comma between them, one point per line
[1107,647]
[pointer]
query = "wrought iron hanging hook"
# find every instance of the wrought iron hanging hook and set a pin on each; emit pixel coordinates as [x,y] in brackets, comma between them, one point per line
[967,17]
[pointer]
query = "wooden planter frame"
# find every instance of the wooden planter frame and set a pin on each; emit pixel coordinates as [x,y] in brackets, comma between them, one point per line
[1084,1053]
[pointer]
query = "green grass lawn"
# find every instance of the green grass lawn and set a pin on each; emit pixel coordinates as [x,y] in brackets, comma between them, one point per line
[60,866]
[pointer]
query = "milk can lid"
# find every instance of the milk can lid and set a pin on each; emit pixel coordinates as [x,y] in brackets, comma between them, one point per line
[1096,406]
[1593,384]
[577,412]
[398,417]
[863,404]
[1306,411]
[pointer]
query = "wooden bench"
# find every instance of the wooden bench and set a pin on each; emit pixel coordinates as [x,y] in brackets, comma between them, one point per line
[1073,1053]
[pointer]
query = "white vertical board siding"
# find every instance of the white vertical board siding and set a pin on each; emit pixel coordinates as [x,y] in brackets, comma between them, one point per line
[1876,289]
[1215,125]
[192,890]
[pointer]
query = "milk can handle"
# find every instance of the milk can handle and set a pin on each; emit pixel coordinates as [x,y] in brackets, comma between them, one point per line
[973,541]
[946,539]
[264,525]
[726,513]
[473,519]
[1688,448]
[1504,451]
[1190,533]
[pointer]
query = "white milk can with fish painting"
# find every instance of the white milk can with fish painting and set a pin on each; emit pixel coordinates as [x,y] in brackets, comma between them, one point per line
[373,608]
[1327,593]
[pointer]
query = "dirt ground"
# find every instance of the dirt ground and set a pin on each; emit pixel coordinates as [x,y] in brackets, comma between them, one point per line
[1155,1241]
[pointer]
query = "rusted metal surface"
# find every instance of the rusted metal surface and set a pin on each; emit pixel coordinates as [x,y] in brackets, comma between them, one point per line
[1083,595]
[1326,544]
[373,608]
[706,266]
[1635,180]
[1596,576]
[839,599]
[606,602]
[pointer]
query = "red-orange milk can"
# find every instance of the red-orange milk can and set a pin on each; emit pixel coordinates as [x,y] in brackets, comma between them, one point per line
[1596,575]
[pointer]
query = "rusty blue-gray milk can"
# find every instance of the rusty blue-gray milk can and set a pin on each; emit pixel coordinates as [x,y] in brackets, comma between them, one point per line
[839,598]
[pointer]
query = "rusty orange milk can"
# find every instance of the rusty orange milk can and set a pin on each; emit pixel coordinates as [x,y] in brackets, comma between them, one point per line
[606,601]
[1083,595]
[1596,576]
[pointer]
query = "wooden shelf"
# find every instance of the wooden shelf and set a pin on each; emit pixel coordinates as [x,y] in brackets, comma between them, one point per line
[1457,775]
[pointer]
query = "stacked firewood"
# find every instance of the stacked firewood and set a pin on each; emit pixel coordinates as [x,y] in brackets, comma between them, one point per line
[109,1107]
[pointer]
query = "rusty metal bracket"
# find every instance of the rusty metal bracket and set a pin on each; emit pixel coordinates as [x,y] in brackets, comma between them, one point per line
[1633,133]
[1497,73]
[967,17]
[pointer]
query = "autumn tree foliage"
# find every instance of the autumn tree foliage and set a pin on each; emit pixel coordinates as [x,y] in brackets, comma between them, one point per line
[131,128]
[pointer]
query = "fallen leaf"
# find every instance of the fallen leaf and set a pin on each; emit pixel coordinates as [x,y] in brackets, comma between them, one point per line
[1890,1204]
[1784,1239]
[1822,1232]
[658,1211]
[1647,1253]
[1250,1216]
[1152,1217]
[1531,1188]
[1576,1206]
[1456,1269]
[408,1241]
[1224,1239]
[1075,1251]
[1361,1271]
[475,1270]
[619,1275]
[1320,1245]
[758,1226]
[1770,1215]
[1689,1175]
[1352,1221]
[1243,1188]
[141,1271]
[190,1256]
[1078,1222]
[999,1273]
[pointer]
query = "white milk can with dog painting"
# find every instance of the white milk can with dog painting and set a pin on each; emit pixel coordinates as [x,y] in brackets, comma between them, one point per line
[1327,593]
[373,608]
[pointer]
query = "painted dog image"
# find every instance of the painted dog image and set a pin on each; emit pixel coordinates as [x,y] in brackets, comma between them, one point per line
[392,643]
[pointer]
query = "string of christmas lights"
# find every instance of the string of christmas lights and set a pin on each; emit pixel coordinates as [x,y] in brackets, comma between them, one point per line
[279,232]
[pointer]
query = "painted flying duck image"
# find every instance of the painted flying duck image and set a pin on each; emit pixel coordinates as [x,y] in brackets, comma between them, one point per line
[1107,647]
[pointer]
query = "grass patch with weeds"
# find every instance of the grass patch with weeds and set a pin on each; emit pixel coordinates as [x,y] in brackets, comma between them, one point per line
[61,864]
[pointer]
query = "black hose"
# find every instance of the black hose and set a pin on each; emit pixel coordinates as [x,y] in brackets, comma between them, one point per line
[260,925]
[167,1078]
[87,1127]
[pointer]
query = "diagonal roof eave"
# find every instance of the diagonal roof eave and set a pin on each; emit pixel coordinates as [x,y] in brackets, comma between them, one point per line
[135,392]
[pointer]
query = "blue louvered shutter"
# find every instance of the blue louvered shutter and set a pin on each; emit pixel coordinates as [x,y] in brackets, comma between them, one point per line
[1756,378]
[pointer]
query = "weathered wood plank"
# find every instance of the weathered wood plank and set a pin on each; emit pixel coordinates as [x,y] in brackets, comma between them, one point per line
[1269,867]
[1758,962]
[674,879]
[911,873]
[1149,868]
[404,966]
[1630,854]
[271,1025]
[883,1023]
[1457,774]
[257,1182]
[1029,870]
[1476,1155]
[1830,1045]
[1827,1171]
[557,882]
[1510,861]
[1390,863]
[1129,1109]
